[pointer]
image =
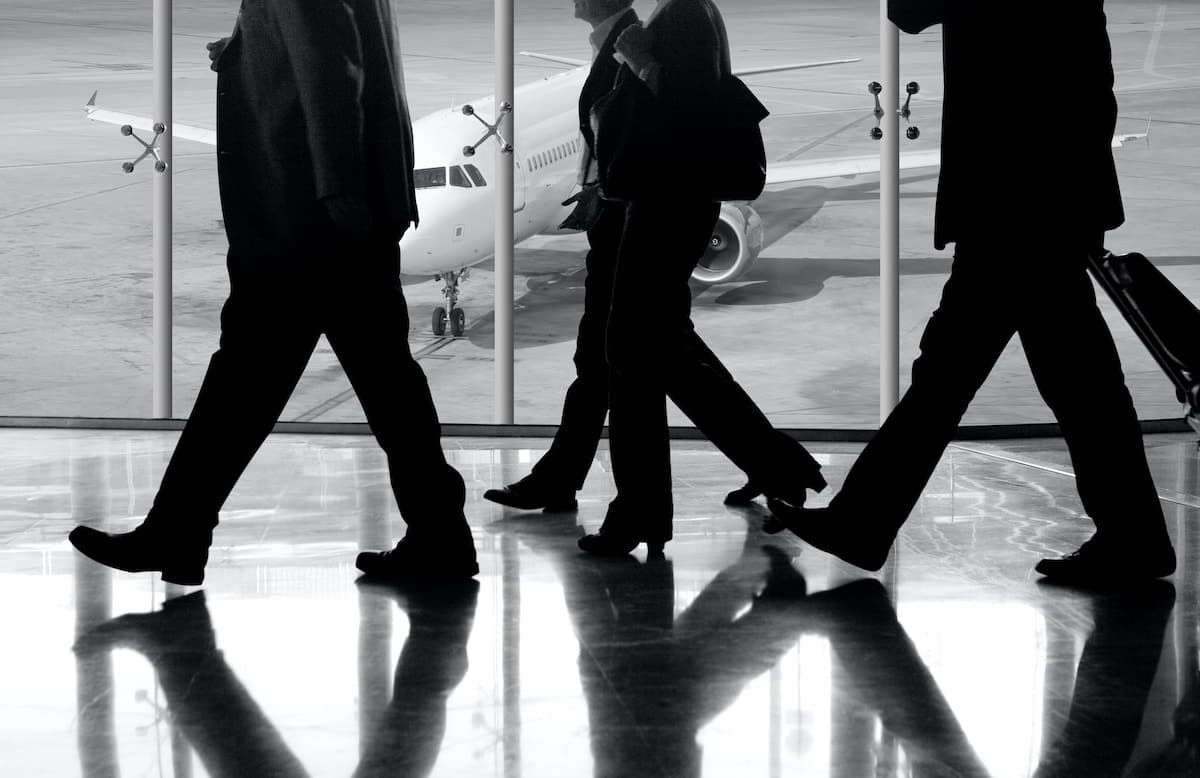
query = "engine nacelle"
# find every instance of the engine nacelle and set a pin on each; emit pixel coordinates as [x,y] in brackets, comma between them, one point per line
[736,242]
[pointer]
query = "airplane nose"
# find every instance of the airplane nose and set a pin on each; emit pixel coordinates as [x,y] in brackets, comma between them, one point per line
[414,241]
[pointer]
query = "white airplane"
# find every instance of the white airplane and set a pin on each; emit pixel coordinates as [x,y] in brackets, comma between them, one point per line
[456,203]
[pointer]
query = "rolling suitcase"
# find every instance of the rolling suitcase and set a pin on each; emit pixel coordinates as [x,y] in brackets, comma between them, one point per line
[1164,319]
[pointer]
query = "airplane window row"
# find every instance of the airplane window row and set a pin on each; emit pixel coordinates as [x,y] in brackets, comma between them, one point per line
[434,177]
[561,151]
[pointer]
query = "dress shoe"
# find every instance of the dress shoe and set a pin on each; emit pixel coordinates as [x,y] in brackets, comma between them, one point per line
[425,561]
[794,493]
[743,495]
[613,544]
[529,495]
[179,553]
[1100,563]
[830,531]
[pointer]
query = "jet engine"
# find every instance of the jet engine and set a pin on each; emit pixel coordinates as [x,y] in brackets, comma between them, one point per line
[736,241]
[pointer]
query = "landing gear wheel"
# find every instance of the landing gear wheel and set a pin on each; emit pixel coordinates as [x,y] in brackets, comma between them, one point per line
[458,322]
[439,321]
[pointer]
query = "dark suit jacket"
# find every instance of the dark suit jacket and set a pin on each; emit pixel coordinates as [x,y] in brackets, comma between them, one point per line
[601,77]
[656,133]
[1027,119]
[310,104]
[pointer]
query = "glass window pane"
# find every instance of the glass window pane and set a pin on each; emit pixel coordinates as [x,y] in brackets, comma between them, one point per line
[790,297]
[459,178]
[75,230]
[475,175]
[430,177]
[1157,80]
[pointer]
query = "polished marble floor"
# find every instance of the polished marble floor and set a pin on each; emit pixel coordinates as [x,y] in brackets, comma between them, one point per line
[740,654]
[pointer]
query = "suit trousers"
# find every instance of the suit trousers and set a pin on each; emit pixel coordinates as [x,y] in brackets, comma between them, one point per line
[654,352]
[270,325]
[565,465]
[569,458]
[1043,295]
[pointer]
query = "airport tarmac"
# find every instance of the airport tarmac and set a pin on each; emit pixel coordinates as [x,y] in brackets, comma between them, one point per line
[800,330]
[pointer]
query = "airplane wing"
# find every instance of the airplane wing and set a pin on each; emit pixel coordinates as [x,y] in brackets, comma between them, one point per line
[573,62]
[797,66]
[184,131]
[809,170]
[845,167]
[553,58]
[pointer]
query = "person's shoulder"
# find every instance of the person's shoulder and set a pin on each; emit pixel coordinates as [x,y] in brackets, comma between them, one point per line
[706,10]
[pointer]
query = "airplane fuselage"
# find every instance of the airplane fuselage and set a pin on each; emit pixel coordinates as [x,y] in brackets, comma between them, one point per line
[457,214]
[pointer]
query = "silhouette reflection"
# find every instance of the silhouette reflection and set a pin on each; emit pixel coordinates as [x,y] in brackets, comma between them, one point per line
[1181,756]
[205,699]
[408,734]
[885,674]
[229,731]
[652,680]
[1112,685]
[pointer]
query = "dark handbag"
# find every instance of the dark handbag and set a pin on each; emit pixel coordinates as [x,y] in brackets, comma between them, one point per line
[643,152]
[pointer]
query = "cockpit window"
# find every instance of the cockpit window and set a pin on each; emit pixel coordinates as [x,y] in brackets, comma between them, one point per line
[475,175]
[429,177]
[459,178]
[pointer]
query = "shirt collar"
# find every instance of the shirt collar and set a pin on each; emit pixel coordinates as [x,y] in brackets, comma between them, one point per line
[604,29]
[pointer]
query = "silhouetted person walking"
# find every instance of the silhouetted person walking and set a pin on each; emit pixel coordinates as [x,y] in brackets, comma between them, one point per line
[680,57]
[314,145]
[554,479]
[1019,268]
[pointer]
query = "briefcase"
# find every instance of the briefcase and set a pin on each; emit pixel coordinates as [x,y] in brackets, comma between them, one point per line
[1165,320]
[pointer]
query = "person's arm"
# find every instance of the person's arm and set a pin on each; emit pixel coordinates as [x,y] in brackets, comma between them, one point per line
[633,48]
[215,50]
[325,54]
[678,57]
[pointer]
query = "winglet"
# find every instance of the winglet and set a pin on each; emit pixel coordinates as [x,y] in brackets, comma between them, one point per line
[91,103]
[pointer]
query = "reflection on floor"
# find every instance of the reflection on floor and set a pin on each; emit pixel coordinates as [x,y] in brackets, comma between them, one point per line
[740,654]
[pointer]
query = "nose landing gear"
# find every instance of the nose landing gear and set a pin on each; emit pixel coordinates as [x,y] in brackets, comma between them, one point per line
[450,315]
[456,319]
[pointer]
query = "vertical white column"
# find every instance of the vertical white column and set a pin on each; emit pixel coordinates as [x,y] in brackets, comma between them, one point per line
[889,217]
[504,218]
[161,363]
